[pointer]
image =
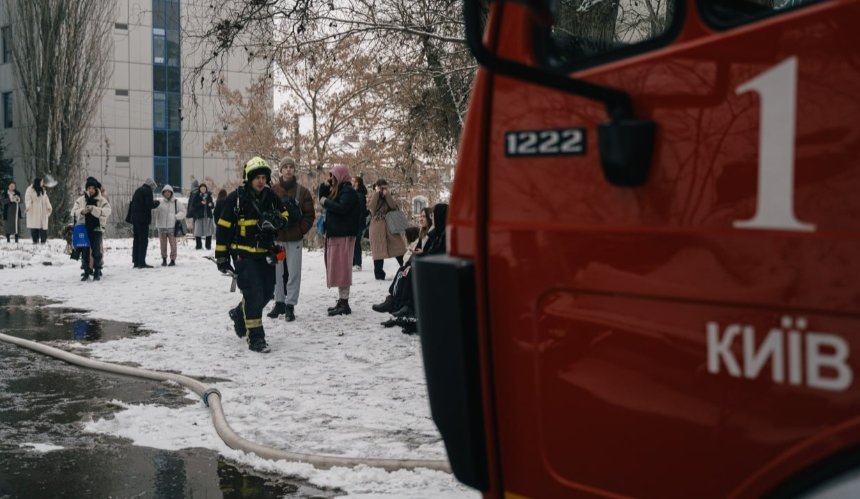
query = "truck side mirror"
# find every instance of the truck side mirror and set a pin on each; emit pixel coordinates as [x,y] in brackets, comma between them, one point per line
[625,143]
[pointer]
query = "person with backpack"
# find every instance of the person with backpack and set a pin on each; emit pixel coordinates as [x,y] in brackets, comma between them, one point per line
[342,223]
[92,210]
[288,273]
[245,238]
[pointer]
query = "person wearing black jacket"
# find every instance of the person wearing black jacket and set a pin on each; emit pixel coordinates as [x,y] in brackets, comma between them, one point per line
[219,204]
[342,224]
[140,216]
[245,237]
[200,206]
[12,212]
[361,190]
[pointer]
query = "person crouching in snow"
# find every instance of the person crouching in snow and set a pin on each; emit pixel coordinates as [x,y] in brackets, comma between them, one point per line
[92,210]
[166,215]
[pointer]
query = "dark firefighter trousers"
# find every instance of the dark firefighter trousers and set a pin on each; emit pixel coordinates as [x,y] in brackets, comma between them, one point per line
[256,280]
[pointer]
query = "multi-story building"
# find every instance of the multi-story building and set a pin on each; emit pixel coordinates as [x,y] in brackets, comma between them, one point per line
[147,125]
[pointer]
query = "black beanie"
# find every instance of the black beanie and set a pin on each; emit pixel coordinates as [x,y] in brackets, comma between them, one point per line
[91,181]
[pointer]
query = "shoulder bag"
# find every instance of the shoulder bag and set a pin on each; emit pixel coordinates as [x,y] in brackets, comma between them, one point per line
[395,221]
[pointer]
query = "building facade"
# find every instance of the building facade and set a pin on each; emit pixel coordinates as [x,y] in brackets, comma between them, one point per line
[147,124]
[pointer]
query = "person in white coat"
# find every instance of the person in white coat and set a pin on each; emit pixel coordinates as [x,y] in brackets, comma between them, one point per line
[165,216]
[38,208]
[92,210]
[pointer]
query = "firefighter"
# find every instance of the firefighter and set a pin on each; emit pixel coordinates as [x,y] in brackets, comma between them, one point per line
[245,245]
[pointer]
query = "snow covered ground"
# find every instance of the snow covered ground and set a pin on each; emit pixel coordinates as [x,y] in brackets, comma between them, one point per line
[332,385]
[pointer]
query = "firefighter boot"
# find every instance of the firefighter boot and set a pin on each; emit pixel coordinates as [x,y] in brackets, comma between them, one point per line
[238,318]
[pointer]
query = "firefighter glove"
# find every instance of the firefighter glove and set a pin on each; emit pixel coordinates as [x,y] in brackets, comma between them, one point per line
[224,265]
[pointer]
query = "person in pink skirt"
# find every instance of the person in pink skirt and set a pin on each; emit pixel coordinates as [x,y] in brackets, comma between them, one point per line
[342,225]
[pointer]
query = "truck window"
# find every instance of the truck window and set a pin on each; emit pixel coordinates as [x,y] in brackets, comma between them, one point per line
[588,32]
[722,14]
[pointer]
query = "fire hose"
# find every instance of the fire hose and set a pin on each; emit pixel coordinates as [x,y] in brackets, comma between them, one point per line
[212,399]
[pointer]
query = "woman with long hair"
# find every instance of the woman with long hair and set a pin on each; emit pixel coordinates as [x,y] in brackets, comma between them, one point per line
[396,289]
[342,222]
[38,208]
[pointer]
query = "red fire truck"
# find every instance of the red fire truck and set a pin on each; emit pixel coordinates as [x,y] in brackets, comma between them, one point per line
[652,285]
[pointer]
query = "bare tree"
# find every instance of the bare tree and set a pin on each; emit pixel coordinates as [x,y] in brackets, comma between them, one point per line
[416,48]
[250,127]
[60,51]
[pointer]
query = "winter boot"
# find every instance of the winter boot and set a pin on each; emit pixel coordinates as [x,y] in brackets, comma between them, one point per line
[259,345]
[290,314]
[164,262]
[172,263]
[199,242]
[238,319]
[330,309]
[97,275]
[378,272]
[278,309]
[342,308]
[404,311]
[208,242]
[396,321]
[85,275]
[384,306]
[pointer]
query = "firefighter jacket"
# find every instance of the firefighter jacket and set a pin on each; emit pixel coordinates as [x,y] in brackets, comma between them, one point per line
[241,231]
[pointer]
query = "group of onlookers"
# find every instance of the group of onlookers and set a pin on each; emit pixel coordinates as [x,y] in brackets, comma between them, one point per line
[37,210]
[348,217]
[246,249]
[168,216]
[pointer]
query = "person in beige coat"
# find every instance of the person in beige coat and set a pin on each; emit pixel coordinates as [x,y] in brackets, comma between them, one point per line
[38,208]
[383,244]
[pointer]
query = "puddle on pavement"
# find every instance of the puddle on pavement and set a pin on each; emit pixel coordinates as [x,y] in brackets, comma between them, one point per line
[33,318]
[43,401]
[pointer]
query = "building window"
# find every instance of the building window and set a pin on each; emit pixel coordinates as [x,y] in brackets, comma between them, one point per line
[121,92]
[122,26]
[6,35]
[7,110]
[418,204]
[166,92]
[122,159]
